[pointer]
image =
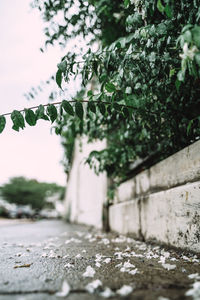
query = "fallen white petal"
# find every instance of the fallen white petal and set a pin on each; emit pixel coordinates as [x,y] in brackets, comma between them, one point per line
[98,257]
[68,265]
[107,293]
[169,267]
[72,240]
[133,272]
[163,298]
[119,255]
[65,290]
[118,266]
[128,248]
[89,272]
[98,265]
[173,259]
[127,264]
[194,276]
[162,260]
[92,286]
[125,290]
[44,254]
[107,260]
[195,291]
[104,241]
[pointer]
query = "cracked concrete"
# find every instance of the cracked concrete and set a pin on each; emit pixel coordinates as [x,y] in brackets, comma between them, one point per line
[47,253]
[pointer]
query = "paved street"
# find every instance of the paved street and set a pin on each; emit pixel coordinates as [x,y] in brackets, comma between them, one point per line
[53,260]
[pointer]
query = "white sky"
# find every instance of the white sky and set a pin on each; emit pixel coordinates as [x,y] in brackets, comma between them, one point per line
[32,152]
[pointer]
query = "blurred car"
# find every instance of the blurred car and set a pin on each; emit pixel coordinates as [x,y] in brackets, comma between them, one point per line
[49,214]
[11,210]
[24,211]
[6,209]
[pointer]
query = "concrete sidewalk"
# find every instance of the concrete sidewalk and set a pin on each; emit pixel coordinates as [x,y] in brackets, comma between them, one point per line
[53,260]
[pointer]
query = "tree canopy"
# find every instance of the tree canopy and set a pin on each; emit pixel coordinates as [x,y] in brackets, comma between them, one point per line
[145,78]
[23,191]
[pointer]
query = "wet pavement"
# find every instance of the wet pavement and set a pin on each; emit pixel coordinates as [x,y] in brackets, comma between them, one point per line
[54,260]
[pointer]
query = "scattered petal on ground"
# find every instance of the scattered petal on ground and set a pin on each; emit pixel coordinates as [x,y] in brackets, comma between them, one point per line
[162,260]
[104,241]
[107,260]
[195,276]
[125,290]
[65,290]
[119,255]
[92,286]
[195,291]
[52,254]
[89,272]
[44,254]
[169,267]
[133,272]
[72,240]
[98,265]
[107,293]
[68,265]
[163,298]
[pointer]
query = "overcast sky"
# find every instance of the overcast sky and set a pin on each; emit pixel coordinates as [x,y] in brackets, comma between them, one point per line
[33,152]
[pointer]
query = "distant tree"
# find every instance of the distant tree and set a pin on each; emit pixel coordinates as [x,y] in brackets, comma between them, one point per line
[24,191]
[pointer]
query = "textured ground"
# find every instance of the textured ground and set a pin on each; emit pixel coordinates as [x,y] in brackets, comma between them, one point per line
[51,260]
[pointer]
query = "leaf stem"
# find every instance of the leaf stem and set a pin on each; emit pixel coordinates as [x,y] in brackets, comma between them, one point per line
[70,101]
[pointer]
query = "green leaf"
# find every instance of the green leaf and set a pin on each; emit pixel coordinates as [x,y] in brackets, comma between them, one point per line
[172,72]
[103,78]
[30,117]
[177,84]
[197,58]
[18,120]
[110,87]
[187,36]
[168,11]
[196,35]
[102,108]
[90,93]
[79,110]
[160,7]
[189,126]
[126,3]
[67,107]
[125,111]
[59,78]
[40,114]
[92,107]
[52,112]
[2,123]
[117,106]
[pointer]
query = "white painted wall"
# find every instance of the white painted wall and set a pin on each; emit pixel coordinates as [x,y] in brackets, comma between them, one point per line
[86,192]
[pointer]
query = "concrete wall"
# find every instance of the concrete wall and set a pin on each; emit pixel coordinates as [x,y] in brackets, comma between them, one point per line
[86,192]
[162,203]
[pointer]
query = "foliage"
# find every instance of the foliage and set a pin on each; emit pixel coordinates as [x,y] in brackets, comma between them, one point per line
[146,94]
[24,191]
